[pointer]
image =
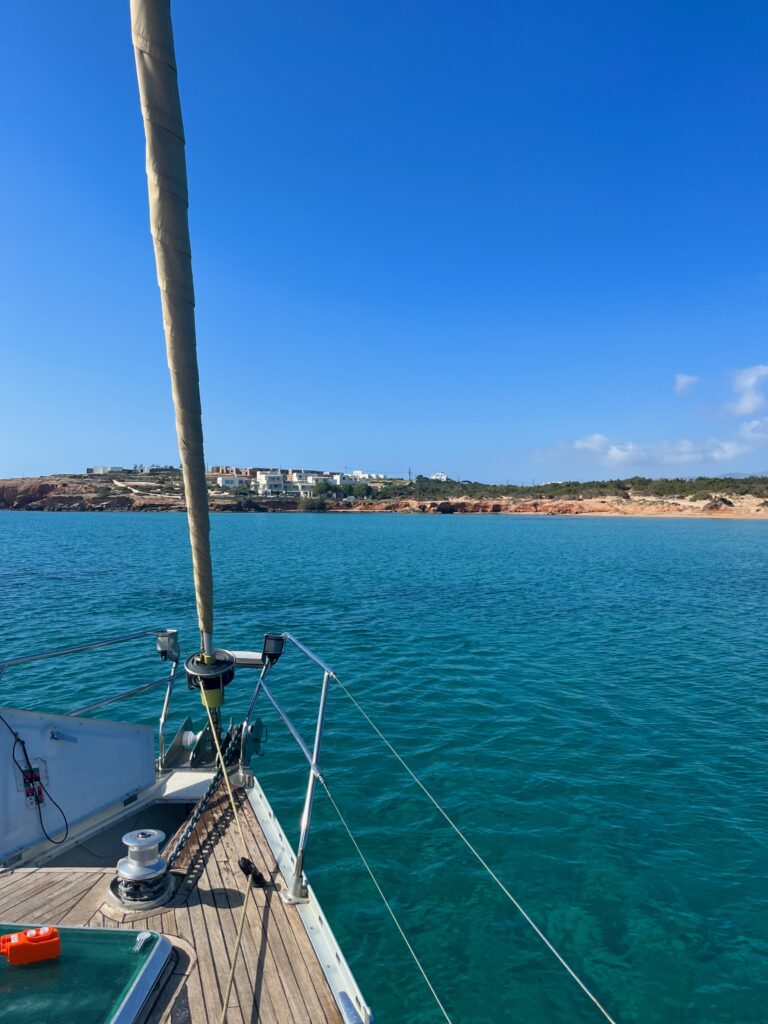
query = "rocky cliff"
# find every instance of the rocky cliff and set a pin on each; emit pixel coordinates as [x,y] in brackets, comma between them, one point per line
[97,494]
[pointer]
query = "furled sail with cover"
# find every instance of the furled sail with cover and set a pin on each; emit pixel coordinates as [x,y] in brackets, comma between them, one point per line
[168,202]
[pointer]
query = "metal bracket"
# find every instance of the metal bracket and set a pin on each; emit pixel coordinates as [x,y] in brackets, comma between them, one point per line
[177,752]
[296,892]
[203,752]
[253,737]
[56,735]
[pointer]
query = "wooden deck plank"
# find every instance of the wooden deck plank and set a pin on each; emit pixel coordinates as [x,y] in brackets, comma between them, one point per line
[18,883]
[45,898]
[289,933]
[61,896]
[16,877]
[8,900]
[277,980]
[222,894]
[49,909]
[207,888]
[197,922]
[194,995]
[294,935]
[40,886]
[264,979]
[265,985]
[266,909]
[194,929]
[80,912]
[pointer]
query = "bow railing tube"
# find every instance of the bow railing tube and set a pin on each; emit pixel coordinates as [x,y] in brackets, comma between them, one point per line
[153,47]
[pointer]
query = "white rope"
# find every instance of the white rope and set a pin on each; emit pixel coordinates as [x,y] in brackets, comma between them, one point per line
[479,858]
[385,901]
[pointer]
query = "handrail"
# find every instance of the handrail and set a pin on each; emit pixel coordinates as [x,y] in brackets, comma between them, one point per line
[286,720]
[167,647]
[144,688]
[297,887]
[91,646]
[309,654]
[164,714]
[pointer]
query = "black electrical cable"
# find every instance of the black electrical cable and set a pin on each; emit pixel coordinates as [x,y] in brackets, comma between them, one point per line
[17,740]
[109,856]
[93,853]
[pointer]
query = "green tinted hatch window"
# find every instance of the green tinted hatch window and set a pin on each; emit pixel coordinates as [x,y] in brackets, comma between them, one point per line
[87,984]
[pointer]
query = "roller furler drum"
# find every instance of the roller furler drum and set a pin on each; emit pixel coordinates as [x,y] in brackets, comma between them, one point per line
[210,677]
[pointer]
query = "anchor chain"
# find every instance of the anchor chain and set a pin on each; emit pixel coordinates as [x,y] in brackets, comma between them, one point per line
[230,751]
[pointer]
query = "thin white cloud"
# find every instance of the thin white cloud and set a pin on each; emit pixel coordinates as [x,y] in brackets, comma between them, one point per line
[598,443]
[749,393]
[755,430]
[751,436]
[685,382]
[611,452]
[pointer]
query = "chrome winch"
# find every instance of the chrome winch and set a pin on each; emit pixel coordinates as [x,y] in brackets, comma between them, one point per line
[143,880]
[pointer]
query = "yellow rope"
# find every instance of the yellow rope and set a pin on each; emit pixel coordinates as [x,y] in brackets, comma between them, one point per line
[249,879]
[241,925]
[220,756]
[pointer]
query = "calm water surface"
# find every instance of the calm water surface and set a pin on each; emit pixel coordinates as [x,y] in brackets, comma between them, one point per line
[586,697]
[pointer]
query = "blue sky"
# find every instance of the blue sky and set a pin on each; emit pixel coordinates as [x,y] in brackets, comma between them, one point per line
[483,238]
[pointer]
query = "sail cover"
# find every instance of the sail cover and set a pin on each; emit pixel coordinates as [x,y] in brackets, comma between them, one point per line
[168,201]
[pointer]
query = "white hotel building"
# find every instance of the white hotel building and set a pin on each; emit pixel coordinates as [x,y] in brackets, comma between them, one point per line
[291,483]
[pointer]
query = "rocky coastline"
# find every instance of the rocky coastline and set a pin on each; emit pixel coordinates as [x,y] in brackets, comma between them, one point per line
[88,494]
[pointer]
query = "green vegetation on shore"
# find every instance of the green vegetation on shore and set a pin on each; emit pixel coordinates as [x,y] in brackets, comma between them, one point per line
[313,505]
[675,487]
[74,492]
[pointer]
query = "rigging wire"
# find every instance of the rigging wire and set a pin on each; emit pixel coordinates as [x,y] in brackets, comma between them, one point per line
[385,900]
[477,856]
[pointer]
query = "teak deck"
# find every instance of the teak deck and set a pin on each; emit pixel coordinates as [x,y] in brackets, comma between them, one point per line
[278,979]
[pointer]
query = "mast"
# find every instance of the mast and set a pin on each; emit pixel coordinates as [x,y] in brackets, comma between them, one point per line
[152,35]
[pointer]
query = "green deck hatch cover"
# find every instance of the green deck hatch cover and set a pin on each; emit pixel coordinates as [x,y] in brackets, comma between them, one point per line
[87,984]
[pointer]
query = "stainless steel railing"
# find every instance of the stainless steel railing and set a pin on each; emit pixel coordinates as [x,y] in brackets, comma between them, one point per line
[168,647]
[78,648]
[297,888]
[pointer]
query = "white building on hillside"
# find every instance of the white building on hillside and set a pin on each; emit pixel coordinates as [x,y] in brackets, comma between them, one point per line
[299,489]
[269,483]
[361,475]
[232,481]
[442,477]
[305,475]
[293,483]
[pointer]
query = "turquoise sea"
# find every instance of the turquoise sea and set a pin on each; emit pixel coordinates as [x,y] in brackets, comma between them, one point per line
[586,697]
